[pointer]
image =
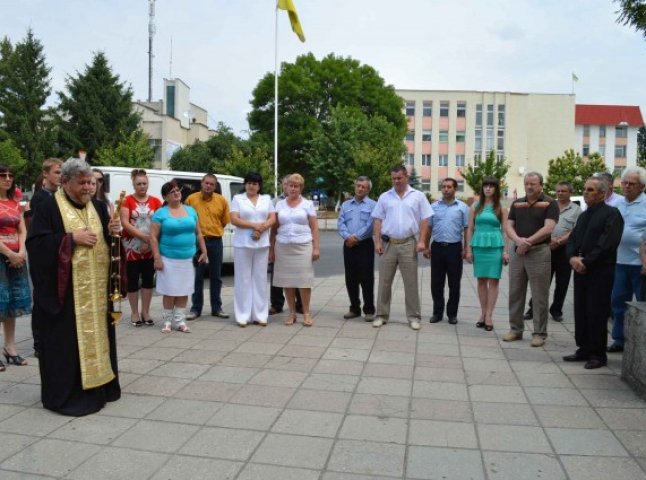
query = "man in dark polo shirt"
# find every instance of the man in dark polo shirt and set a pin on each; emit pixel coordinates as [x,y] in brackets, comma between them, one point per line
[529,227]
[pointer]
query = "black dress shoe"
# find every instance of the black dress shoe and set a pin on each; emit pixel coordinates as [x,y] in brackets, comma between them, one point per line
[575,358]
[436,318]
[614,348]
[274,310]
[592,364]
[557,317]
[453,320]
[528,315]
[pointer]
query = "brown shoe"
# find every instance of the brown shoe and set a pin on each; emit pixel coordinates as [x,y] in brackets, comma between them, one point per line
[538,342]
[512,337]
[274,310]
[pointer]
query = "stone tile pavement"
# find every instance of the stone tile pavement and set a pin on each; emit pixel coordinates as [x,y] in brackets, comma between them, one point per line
[340,400]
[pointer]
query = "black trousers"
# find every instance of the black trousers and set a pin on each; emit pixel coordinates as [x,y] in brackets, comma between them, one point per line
[592,293]
[561,273]
[359,263]
[446,263]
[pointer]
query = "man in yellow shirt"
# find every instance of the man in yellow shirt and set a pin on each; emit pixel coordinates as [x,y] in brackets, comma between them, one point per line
[213,215]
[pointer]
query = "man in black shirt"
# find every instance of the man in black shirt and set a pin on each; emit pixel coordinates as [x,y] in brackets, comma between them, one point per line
[592,250]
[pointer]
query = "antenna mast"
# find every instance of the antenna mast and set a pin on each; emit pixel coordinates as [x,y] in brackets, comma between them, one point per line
[151,34]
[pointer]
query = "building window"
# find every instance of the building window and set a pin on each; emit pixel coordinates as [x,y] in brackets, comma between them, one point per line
[426,185]
[586,150]
[489,139]
[621,132]
[460,185]
[444,109]
[620,151]
[460,136]
[501,116]
[410,108]
[444,135]
[500,144]
[489,114]
[602,131]
[479,115]
[618,172]
[478,142]
[602,150]
[426,135]
[586,130]
[462,109]
[427,109]
[426,159]
[459,160]
[410,159]
[477,158]
[410,136]
[443,160]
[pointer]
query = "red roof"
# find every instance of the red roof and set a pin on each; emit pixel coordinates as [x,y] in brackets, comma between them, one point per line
[608,115]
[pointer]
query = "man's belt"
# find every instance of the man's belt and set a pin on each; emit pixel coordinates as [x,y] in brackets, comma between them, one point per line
[447,244]
[396,241]
[210,237]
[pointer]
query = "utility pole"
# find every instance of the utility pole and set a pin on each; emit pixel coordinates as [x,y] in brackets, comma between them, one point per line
[151,34]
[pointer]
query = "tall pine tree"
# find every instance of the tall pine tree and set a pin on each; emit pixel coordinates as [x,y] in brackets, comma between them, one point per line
[24,88]
[96,111]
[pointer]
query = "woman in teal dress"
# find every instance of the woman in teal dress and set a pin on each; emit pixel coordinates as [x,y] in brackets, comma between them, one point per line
[486,247]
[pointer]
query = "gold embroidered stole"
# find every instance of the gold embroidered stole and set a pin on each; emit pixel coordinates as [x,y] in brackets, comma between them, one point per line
[90,288]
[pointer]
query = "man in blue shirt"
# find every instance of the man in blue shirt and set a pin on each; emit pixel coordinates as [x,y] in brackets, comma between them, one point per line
[628,279]
[355,227]
[447,227]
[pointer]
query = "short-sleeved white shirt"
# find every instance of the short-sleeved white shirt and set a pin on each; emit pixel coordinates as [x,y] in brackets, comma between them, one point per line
[401,216]
[252,213]
[294,223]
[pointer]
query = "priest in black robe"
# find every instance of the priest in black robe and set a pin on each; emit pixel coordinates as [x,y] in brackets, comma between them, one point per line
[69,258]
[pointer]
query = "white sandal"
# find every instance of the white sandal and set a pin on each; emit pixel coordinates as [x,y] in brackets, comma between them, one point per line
[167,327]
[182,327]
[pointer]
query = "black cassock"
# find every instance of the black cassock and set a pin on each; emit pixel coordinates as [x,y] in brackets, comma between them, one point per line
[60,370]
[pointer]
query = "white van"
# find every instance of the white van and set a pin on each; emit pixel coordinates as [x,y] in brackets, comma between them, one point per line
[117,179]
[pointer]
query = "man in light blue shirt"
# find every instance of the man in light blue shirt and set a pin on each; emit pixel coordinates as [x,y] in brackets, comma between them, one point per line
[355,227]
[628,279]
[447,227]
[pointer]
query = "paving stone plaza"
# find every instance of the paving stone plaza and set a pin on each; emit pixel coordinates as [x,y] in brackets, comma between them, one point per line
[340,400]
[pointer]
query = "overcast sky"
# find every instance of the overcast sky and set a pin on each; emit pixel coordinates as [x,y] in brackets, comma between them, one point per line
[221,48]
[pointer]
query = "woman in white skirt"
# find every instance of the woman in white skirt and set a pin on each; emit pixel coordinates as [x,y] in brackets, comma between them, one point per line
[253,215]
[294,246]
[173,235]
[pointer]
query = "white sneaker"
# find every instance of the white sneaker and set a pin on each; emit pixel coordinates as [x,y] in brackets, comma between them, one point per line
[378,322]
[414,324]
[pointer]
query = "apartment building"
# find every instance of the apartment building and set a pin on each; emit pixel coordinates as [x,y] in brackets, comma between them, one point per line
[449,129]
[611,131]
[173,122]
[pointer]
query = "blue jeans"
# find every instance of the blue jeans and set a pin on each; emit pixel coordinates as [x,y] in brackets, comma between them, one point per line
[628,282]
[214,251]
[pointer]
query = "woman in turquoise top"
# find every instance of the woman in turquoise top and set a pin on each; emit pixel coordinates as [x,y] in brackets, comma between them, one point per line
[173,235]
[486,247]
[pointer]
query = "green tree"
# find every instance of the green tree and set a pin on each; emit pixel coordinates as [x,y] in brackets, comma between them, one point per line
[413,179]
[255,159]
[337,151]
[641,147]
[134,151]
[633,13]
[96,111]
[11,156]
[24,88]
[208,156]
[492,166]
[571,167]
[308,91]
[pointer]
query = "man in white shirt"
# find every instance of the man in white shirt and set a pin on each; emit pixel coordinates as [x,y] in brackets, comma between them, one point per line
[400,216]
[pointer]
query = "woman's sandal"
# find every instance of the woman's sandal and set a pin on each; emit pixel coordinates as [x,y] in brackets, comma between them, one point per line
[167,327]
[2,367]
[182,327]
[149,322]
[136,323]
[14,359]
[307,320]
[291,320]
[488,328]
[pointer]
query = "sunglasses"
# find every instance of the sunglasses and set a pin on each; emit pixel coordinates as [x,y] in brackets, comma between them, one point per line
[6,175]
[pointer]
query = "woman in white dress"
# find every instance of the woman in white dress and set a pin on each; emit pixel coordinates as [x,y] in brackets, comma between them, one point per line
[253,215]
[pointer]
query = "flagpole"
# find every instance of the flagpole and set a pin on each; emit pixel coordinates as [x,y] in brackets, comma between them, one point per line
[276,105]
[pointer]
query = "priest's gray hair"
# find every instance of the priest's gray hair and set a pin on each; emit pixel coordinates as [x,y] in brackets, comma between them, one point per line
[74,167]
